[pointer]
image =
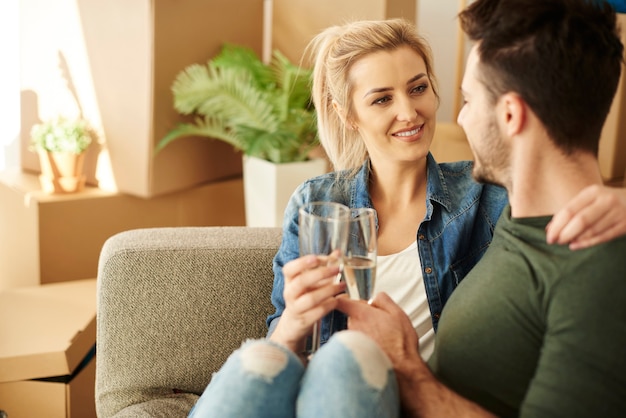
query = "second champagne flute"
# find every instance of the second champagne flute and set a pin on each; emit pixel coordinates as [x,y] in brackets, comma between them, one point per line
[359,268]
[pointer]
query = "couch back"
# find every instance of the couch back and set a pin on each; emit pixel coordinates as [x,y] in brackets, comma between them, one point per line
[173,303]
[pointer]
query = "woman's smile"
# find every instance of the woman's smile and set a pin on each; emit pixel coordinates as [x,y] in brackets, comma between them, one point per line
[411,134]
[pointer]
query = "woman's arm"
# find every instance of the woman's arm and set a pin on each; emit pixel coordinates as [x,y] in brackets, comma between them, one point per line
[597,214]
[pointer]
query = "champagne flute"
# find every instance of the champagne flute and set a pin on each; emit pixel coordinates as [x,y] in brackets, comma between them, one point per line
[323,228]
[359,264]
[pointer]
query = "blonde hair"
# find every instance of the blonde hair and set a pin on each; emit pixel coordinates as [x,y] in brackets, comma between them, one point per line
[333,52]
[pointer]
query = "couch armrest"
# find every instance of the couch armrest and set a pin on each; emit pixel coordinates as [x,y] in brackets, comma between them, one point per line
[173,303]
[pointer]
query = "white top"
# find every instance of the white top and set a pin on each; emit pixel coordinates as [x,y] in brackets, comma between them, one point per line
[400,276]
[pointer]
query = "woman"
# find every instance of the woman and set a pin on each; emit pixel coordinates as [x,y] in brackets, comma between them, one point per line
[376,100]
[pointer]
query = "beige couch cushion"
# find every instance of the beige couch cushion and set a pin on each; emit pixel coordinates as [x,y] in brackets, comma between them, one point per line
[173,303]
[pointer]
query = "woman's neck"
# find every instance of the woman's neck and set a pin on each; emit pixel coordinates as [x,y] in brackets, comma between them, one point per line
[398,184]
[399,197]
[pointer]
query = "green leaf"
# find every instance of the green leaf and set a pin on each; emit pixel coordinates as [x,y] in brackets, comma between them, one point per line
[210,128]
[262,110]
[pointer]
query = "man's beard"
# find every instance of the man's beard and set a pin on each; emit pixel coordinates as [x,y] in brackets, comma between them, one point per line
[491,165]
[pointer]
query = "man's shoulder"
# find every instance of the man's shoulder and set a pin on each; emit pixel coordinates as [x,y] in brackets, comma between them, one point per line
[607,257]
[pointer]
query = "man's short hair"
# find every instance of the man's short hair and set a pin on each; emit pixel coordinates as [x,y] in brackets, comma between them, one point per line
[563,57]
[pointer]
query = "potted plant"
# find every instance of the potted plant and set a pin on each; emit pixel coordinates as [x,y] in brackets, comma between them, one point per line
[61,144]
[262,110]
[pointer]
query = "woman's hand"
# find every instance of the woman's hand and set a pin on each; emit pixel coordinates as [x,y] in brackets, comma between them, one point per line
[309,293]
[597,214]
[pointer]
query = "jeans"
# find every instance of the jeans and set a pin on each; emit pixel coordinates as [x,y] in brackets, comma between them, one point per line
[350,376]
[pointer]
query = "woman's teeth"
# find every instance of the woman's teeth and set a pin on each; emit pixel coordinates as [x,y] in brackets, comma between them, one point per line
[408,133]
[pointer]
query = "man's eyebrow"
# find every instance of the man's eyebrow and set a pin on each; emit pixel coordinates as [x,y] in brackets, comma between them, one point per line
[383,89]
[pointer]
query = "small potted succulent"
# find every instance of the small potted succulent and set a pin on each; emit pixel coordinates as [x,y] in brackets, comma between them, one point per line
[61,144]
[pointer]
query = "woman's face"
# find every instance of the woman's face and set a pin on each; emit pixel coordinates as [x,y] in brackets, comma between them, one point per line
[394,105]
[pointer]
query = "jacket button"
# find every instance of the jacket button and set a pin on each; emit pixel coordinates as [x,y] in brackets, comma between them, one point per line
[421,237]
[437,315]
[428,270]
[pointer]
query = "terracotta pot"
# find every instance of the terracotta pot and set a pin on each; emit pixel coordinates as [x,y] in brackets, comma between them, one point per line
[61,172]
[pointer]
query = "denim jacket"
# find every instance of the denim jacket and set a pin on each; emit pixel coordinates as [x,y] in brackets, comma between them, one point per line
[457,229]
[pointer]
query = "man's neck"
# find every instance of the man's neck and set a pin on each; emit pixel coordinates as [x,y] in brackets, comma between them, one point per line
[544,182]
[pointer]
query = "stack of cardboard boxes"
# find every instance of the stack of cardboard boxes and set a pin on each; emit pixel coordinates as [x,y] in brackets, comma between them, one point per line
[47,350]
[113,63]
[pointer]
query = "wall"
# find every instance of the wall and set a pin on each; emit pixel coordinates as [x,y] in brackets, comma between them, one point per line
[9,86]
[612,152]
[436,20]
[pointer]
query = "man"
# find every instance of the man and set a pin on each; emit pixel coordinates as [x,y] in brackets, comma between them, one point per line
[534,329]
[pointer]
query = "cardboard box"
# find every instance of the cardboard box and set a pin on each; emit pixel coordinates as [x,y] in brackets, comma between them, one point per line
[295,22]
[114,62]
[47,346]
[54,238]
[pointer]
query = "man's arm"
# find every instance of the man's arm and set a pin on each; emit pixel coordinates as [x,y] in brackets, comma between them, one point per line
[421,394]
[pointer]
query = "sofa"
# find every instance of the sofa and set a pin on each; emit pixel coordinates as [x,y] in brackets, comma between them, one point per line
[173,303]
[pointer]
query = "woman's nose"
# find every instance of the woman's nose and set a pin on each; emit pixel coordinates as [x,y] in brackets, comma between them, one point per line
[406,110]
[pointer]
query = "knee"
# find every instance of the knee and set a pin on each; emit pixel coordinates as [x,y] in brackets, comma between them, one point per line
[374,364]
[264,359]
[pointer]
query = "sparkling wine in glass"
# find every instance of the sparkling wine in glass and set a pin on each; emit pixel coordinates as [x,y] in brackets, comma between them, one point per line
[359,264]
[323,228]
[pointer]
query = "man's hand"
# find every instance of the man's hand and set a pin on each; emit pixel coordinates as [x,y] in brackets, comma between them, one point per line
[597,214]
[421,394]
[387,324]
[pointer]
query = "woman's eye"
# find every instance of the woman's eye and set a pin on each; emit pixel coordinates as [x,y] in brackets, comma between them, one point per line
[419,89]
[382,100]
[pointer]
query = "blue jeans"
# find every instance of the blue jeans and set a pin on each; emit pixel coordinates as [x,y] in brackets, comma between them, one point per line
[350,376]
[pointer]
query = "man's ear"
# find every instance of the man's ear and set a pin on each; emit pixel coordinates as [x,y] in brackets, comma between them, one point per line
[511,112]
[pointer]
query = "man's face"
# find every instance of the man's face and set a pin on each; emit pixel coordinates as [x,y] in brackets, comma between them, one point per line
[478,120]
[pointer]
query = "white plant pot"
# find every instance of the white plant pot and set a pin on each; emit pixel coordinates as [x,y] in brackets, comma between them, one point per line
[268,187]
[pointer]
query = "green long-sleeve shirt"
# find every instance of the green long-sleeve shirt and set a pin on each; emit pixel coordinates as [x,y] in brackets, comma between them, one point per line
[537,330]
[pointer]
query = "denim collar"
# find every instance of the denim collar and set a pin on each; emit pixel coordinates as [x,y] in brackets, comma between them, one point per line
[436,189]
